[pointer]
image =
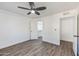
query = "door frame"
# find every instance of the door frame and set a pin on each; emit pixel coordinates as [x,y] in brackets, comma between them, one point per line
[63,18]
[74,32]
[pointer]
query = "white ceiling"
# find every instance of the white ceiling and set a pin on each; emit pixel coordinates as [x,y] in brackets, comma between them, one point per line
[52,7]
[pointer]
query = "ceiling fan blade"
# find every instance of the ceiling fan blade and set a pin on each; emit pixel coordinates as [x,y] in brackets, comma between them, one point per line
[24,8]
[28,13]
[37,13]
[31,4]
[40,8]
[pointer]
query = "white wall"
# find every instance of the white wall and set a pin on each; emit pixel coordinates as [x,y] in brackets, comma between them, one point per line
[14,29]
[51,29]
[51,32]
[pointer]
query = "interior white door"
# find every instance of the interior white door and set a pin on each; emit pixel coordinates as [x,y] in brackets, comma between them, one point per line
[33,27]
[75,34]
[67,29]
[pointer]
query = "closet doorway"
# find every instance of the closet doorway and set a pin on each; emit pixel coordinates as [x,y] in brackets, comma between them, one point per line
[66,29]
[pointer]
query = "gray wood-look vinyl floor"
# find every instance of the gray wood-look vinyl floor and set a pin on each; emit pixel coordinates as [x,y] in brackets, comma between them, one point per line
[38,48]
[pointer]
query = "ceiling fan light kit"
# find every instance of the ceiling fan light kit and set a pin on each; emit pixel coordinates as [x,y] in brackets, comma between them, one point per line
[32,11]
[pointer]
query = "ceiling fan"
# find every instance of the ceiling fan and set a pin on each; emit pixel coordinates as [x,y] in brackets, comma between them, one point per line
[33,9]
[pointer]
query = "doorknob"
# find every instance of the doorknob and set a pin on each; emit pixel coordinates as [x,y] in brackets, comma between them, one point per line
[75,35]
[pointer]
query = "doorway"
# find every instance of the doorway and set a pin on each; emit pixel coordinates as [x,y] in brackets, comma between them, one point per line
[36,29]
[40,29]
[69,35]
[66,29]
